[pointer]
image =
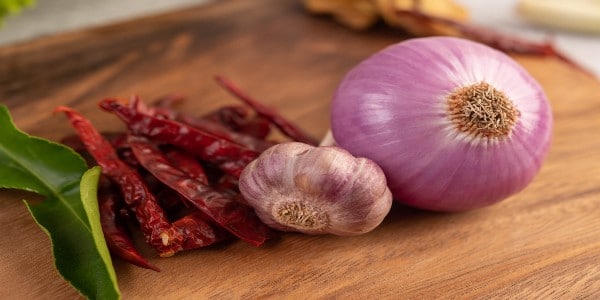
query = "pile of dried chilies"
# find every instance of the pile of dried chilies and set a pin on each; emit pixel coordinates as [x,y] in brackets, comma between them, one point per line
[176,175]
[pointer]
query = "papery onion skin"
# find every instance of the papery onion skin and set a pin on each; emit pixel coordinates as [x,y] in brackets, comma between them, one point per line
[392,108]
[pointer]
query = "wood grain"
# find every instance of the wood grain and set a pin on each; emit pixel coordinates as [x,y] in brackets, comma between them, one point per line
[543,243]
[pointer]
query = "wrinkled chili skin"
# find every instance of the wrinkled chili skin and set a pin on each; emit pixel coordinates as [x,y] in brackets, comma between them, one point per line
[213,127]
[197,232]
[153,222]
[230,157]
[229,186]
[235,119]
[288,128]
[219,130]
[236,218]
[186,163]
[74,142]
[173,204]
[117,239]
[232,118]
[227,182]
[258,127]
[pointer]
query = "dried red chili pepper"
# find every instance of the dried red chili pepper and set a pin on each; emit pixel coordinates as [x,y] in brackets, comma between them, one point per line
[187,163]
[227,182]
[74,142]
[197,232]
[171,202]
[236,119]
[258,127]
[153,222]
[286,127]
[206,125]
[219,130]
[118,241]
[229,157]
[127,157]
[228,185]
[236,218]
[232,116]
[229,122]
[117,140]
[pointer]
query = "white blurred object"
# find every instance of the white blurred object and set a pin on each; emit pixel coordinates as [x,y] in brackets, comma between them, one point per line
[503,16]
[48,17]
[576,15]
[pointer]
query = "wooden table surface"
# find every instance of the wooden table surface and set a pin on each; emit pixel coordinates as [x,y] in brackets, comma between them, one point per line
[543,243]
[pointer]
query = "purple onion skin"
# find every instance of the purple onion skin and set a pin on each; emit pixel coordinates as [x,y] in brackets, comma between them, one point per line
[392,109]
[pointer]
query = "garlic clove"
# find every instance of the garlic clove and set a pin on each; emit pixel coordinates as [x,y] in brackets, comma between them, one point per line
[316,190]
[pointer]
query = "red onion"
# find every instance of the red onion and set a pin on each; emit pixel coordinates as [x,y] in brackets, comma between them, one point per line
[454,124]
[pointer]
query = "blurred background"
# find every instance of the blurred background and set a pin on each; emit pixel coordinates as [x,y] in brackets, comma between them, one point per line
[574,26]
[44,17]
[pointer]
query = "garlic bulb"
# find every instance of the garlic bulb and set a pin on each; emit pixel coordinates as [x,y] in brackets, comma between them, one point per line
[316,190]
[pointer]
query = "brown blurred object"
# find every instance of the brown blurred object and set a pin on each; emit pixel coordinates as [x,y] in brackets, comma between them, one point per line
[356,14]
[362,14]
[445,9]
[431,18]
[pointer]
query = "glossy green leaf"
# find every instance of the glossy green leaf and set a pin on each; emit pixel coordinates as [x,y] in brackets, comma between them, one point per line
[69,212]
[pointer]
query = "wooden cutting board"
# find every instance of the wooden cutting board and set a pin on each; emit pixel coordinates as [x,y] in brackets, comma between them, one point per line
[542,243]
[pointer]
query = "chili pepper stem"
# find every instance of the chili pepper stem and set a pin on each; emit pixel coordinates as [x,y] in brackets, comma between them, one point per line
[165,238]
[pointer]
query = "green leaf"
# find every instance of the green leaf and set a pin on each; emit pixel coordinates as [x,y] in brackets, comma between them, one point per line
[8,7]
[89,193]
[69,214]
